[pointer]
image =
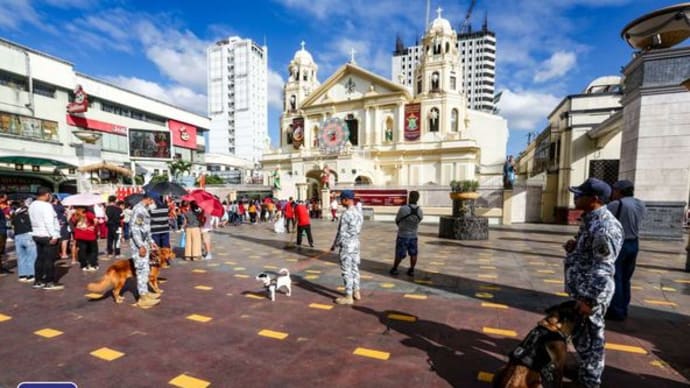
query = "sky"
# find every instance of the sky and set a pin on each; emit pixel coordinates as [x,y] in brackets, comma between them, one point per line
[546,49]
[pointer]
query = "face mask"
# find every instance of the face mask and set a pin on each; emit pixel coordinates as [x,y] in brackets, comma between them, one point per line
[151,206]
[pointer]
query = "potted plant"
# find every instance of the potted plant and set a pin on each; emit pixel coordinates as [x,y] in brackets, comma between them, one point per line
[464,190]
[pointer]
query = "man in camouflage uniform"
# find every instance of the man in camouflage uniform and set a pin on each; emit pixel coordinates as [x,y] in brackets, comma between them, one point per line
[142,243]
[347,239]
[589,269]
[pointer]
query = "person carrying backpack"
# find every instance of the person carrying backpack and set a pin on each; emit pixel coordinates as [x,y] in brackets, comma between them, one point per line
[408,219]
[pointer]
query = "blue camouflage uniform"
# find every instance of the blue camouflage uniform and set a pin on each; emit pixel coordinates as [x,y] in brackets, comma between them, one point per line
[140,226]
[347,239]
[589,271]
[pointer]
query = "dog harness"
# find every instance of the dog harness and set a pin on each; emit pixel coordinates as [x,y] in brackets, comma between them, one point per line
[532,353]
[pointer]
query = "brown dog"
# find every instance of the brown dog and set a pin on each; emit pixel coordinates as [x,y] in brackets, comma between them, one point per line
[539,360]
[117,274]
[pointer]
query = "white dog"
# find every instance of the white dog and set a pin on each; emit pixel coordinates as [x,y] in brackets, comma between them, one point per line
[273,283]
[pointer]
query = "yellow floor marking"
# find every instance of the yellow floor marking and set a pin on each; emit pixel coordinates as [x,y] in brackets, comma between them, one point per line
[254,296]
[340,288]
[536,263]
[311,277]
[254,257]
[658,363]
[659,302]
[4,317]
[387,285]
[48,333]
[273,334]
[366,277]
[484,295]
[313,271]
[184,381]
[636,288]
[161,281]
[670,289]
[657,270]
[372,353]
[93,295]
[682,281]
[419,281]
[415,296]
[545,271]
[431,271]
[563,294]
[291,260]
[402,317]
[437,263]
[490,288]
[198,318]
[239,268]
[241,276]
[505,333]
[487,267]
[484,276]
[554,281]
[485,377]
[321,306]
[107,354]
[484,260]
[203,288]
[230,262]
[494,305]
[214,264]
[625,348]
[199,270]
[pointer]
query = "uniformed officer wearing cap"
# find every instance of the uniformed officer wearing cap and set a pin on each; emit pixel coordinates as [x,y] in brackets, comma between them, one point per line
[589,270]
[629,211]
[347,239]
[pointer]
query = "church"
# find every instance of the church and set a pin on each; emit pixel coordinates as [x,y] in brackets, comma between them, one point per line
[359,128]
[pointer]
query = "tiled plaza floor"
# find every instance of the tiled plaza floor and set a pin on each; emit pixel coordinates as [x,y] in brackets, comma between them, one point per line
[468,305]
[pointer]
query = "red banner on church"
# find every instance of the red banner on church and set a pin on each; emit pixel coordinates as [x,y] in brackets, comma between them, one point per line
[413,122]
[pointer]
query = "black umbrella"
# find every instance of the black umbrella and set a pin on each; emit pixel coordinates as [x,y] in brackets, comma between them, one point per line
[166,188]
[134,199]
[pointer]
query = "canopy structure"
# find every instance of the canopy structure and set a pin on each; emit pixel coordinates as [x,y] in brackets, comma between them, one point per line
[106,166]
[34,161]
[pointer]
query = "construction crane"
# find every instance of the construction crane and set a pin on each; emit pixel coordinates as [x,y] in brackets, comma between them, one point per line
[465,26]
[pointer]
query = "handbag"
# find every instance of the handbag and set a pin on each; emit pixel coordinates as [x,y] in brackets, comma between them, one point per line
[183,239]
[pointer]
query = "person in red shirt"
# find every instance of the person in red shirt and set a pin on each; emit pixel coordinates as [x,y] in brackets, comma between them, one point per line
[289,214]
[303,223]
[85,235]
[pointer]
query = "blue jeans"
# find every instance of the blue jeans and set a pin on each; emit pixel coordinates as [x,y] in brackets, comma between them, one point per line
[625,266]
[26,254]
[162,239]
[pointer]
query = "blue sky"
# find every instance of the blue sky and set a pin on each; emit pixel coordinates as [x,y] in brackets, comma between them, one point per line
[546,49]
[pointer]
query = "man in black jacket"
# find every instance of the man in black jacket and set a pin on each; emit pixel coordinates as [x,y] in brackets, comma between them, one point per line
[3,231]
[114,218]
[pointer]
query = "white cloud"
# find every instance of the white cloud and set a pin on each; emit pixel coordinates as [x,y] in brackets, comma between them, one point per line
[559,64]
[66,4]
[176,94]
[16,12]
[275,90]
[526,109]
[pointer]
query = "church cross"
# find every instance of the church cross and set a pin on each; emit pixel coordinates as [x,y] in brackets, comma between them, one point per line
[438,11]
[302,44]
[352,55]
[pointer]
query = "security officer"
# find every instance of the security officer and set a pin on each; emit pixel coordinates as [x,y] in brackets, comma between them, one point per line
[140,226]
[589,270]
[347,239]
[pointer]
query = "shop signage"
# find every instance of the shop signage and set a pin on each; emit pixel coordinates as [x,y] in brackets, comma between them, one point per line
[81,101]
[184,135]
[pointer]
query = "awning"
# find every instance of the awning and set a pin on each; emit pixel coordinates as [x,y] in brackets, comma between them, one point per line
[106,166]
[33,161]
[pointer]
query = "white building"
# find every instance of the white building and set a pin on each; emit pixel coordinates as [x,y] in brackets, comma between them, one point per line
[370,131]
[477,60]
[237,98]
[37,141]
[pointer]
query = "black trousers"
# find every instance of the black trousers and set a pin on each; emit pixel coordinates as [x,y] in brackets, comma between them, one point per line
[113,246]
[46,254]
[88,253]
[306,228]
[289,221]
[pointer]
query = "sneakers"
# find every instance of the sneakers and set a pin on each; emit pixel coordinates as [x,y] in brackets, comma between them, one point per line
[38,285]
[53,286]
[90,269]
[147,301]
[22,279]
[394,272]
[356,295]
[346,300]
[410,272]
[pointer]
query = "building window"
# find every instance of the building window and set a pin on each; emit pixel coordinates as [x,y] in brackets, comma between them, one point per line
[453,83]
[44,89]
[454,120]
[434,117]
[353,126]
[606,170]
[435,81]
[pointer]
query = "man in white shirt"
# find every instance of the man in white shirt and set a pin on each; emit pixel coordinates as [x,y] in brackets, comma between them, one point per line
[46,234]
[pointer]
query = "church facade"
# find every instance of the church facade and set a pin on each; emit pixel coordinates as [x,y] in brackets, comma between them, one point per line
[358,128]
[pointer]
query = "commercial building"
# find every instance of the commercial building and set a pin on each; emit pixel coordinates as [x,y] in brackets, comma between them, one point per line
[237,98]
[476,63]
[49,113]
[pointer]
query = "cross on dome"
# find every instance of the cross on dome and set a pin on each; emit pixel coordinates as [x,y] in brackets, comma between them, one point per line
[302,44]
[352,55]
[438,11]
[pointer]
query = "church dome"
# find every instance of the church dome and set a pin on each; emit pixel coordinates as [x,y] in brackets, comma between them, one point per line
[441,25]
[302,57]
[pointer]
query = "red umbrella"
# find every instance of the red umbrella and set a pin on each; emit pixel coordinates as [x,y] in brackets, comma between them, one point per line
[206,201]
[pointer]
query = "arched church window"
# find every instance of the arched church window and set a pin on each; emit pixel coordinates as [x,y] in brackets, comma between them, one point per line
[353,127]
[293,102]
[434,117]
[437,46]
[305,76]
[454,120]
[447,47]
[419,85]
[389,129]
[315,136]
[435,81]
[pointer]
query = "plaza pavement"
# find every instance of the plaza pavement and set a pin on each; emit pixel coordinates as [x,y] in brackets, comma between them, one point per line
[469,304]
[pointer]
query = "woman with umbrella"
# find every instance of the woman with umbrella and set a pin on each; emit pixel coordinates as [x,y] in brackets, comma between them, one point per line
[193,219]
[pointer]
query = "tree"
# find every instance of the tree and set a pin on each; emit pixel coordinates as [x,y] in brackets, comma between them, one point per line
[212,180]
[179,166]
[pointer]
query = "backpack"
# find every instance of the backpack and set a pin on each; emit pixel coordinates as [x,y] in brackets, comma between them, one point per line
[414,211]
